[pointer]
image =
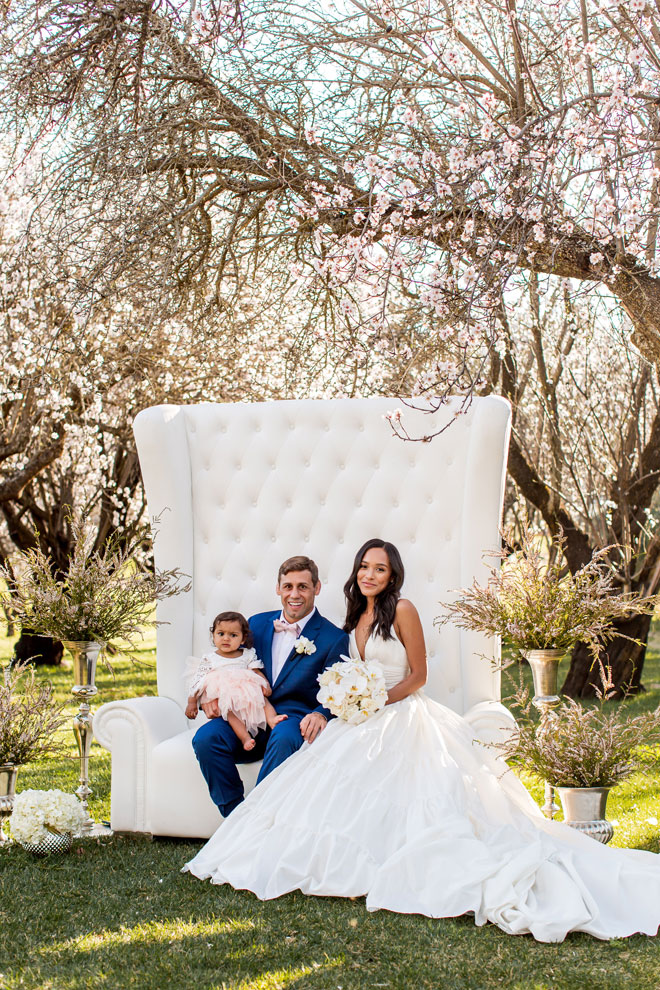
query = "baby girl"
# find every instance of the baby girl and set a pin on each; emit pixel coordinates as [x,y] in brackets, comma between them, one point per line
[232,675]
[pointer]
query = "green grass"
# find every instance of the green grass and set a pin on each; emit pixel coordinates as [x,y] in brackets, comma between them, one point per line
[118,913]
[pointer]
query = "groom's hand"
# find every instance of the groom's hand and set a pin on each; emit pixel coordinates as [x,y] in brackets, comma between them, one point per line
[311,725]
[210,708]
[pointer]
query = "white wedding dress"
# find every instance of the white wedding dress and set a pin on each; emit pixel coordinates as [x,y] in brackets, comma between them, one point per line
[411,811]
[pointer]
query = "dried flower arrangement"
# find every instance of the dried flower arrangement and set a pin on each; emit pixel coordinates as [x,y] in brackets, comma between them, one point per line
[29,716]
[103,596]
[577,746]
[534,603]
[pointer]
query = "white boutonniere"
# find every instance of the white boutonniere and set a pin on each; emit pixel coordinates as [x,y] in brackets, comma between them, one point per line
[303,645]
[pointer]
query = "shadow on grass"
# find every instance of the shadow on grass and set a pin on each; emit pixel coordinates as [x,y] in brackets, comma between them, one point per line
[121,915]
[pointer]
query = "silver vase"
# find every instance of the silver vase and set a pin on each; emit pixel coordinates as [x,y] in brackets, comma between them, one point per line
[85,657]
[544,665]
[8,773]
[584,810]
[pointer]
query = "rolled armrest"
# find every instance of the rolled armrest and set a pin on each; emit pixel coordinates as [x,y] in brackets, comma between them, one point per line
[490,721]
[130,730]
[157,718]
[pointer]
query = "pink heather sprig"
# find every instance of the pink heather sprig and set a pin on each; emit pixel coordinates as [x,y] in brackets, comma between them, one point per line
[533,602]
[103,595]
[583,747]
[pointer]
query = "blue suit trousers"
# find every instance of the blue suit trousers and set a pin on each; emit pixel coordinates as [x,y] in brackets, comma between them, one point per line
[218,750]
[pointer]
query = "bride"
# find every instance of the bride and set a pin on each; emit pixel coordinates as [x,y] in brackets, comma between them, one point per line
[410,810]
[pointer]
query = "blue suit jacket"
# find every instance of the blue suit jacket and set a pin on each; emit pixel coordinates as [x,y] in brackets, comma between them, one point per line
[295,690]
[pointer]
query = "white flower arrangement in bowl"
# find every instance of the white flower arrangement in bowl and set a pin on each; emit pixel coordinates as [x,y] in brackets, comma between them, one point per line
[353,690]
[38,816]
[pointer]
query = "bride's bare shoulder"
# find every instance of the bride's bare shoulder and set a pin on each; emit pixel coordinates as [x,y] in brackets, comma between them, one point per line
[405,609]
[408,628]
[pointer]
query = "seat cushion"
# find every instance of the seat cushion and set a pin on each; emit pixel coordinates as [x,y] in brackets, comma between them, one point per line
[178,798]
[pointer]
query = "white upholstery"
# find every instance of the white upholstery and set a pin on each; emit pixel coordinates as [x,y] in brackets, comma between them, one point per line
[237,488]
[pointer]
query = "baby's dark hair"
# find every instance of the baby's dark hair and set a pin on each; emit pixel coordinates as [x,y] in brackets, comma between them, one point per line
[234,617]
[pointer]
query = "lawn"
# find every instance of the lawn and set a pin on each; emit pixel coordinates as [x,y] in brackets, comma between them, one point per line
[118,913]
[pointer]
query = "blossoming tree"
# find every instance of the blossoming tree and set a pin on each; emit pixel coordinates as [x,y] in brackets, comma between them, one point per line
[429,147]
[409,168]
[585,451]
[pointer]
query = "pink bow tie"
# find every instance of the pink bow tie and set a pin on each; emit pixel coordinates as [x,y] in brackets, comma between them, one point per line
[282,626]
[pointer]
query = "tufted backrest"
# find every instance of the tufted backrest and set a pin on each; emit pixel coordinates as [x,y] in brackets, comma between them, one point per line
[237,488]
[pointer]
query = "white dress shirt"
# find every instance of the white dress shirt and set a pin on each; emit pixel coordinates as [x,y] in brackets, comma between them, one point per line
[283,643]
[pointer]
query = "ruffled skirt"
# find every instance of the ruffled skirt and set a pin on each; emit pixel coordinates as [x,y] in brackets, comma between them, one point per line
[410,811]
[237,691]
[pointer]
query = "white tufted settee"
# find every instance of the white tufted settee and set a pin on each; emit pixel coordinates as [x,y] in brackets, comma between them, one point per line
[237,488]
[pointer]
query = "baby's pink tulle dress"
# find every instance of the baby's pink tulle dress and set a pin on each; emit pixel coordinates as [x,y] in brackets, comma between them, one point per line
[238,691]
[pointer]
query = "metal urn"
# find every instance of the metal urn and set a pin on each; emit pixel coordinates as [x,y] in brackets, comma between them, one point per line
[8,773]
[544,665]
[85,657]
[584,810]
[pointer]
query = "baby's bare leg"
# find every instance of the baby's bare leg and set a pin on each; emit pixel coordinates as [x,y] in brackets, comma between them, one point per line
[272,718]
[241,731]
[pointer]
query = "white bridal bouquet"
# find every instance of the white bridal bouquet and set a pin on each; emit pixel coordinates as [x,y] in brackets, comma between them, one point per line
[38,814]
[352,689]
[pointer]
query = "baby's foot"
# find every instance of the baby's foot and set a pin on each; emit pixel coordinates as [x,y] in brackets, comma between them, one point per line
[274,719]
[249,743]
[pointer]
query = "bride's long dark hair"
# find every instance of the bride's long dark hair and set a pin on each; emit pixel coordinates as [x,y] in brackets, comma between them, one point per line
[385,604]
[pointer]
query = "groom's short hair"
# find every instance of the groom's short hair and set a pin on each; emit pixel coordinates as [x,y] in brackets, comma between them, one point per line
[299,563]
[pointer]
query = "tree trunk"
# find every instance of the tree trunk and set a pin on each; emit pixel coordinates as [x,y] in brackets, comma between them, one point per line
[38,650]
[625,659]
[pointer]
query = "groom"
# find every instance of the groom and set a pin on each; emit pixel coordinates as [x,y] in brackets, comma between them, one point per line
[295,645]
